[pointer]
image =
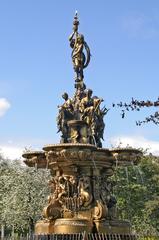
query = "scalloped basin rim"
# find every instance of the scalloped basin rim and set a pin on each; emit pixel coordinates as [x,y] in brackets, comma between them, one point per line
[120,150]
[68,145]
[30,154]
[103,150]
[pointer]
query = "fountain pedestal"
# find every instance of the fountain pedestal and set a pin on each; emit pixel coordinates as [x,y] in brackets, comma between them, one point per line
[81,198]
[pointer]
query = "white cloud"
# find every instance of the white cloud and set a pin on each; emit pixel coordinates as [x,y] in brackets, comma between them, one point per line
[11,152]
[136,142]
[140,25]
[4,106]
[133,24]
[13,149]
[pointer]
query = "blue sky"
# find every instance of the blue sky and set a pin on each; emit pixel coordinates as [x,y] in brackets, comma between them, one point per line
[36,68]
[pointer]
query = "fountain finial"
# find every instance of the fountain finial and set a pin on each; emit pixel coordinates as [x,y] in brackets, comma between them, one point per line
[75,22]
[80,59]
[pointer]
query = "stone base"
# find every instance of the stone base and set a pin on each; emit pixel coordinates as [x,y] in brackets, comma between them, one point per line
[63,226]
[72,226]
[113,226]
[77,225]
[44,227]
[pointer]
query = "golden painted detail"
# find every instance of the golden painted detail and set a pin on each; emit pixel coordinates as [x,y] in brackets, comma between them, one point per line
[81,154]
[35,158]
[125,155]
[80,186]
[80,59]
[44,227]
[113,226]
[72,225]
[72,222]
[81,118]
[81,198]
[53,210]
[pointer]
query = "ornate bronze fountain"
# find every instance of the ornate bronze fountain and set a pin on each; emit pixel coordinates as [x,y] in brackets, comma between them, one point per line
[81,197]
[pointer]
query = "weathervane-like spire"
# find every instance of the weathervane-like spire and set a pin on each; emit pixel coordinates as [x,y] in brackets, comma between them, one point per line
[80,59]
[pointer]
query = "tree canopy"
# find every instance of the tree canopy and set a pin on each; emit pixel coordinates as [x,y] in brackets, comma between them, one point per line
[23,194]
[137,191]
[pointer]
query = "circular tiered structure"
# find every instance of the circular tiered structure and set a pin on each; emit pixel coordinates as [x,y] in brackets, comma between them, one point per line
[81,195]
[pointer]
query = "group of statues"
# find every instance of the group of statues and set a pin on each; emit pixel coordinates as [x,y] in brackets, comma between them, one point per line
[70,194]
[84,107]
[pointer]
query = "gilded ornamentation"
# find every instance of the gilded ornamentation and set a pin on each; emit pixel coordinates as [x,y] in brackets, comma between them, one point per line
[80,119]
[80,60]
[81,198]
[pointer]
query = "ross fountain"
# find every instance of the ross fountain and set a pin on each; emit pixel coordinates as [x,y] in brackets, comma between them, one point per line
[81,197]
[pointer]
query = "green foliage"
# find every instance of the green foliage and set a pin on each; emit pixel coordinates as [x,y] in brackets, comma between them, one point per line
[137,191]
[23,194]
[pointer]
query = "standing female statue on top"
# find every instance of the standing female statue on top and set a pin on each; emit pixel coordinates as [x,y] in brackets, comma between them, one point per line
[79,59]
